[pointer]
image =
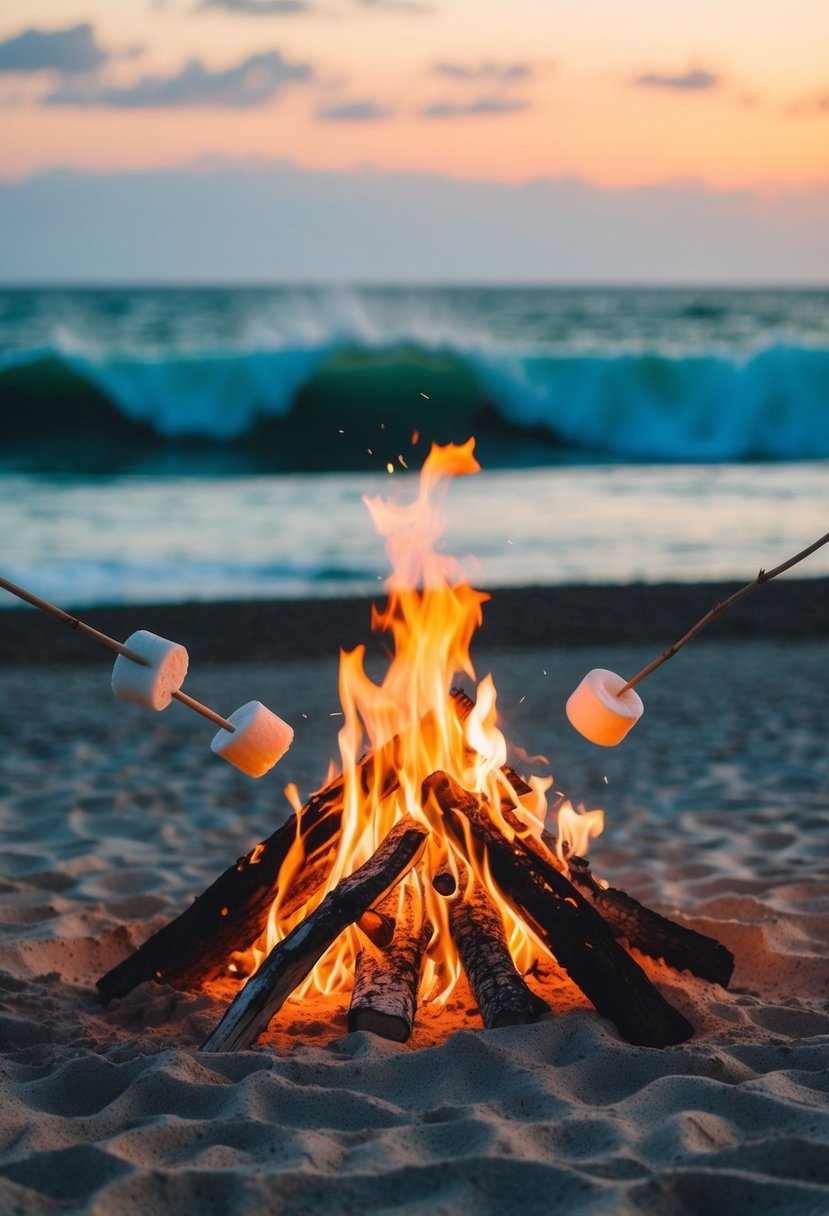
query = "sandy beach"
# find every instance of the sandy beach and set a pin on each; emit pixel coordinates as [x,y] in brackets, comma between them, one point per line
[113,819]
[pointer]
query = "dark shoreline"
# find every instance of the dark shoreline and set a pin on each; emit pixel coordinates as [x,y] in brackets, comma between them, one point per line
[515,617]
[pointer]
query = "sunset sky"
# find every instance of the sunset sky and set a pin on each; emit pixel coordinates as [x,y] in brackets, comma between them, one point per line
[720,98]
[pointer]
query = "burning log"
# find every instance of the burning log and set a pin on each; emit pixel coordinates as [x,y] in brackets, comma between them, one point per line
[444,881]
[293,958]
[501,994]
[378,927]
[655,935]
[384,998]
[574,932]
[232,912]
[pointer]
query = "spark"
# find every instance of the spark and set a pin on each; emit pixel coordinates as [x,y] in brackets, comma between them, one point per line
[415,437]
[305,716]
[523,699]
[369,451]
[390,467]
[510,542]
[425,396]
[336,714]
[402,461]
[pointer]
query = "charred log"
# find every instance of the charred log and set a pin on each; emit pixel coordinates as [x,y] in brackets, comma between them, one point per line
[444,881]
[384,998]
[293,958]
[501,994]
[232,912]
[643,929]
[378,927]
[655,935]
[574,932]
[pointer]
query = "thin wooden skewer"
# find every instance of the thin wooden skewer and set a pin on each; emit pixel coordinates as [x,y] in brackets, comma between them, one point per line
[71,621]
[113,644]
[204,710]
[763,577]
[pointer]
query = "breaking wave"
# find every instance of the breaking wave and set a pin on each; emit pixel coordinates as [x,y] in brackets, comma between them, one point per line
[344,405]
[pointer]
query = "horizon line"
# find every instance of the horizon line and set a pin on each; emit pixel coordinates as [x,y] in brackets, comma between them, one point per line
[483,284]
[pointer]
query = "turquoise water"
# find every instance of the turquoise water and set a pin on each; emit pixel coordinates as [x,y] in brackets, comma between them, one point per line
[169,444]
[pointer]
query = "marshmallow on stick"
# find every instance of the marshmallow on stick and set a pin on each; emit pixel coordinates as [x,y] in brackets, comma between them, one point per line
[155,684]
[253,740]
[600,711]
[258,741]
[150,671]
[604,706]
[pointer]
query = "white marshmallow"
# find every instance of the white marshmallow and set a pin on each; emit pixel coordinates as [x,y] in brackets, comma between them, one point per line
[259,740]
[151,686]
[598,713]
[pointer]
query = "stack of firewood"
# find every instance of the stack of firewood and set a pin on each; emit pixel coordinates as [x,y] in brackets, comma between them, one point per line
[584,925]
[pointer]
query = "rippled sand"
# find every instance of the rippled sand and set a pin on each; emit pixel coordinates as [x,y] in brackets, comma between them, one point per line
[111,819]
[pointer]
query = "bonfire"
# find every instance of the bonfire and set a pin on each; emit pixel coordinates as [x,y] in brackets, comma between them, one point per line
[425,855]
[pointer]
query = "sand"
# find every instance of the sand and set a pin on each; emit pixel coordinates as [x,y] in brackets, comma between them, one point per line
[515,618]
[111,819]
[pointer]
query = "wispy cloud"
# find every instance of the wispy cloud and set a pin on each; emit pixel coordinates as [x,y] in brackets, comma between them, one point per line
[695,80]
[482,88]
[261,8]
[248,83]
[487,72]
[71,51]
[355,111]
[480,105]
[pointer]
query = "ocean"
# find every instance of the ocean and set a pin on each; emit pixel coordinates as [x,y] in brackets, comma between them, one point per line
[192,444]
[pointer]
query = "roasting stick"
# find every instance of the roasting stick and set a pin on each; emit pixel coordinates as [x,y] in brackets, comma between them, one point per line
[113,644]
[71,621]
[604,707]
[150,671]
[765,576]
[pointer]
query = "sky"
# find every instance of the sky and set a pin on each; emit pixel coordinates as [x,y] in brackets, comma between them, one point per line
[614,108]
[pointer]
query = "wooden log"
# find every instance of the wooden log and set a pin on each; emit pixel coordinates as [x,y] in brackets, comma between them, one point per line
[643,929]
[378,927]
[230,915]
[655,935]
[562,918]
[463,703]
[500,992]
[384,997]
[444,881]
[293,958]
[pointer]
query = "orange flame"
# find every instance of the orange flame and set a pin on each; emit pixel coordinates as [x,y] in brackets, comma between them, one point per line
[411,718]
[576,829]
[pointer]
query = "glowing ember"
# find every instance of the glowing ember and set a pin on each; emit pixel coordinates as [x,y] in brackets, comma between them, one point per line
[414,726]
